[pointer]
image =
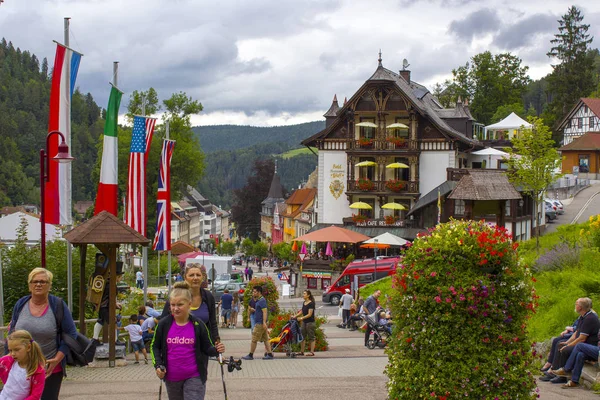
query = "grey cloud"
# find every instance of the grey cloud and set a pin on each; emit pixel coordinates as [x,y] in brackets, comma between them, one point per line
[482,21]
[527,31]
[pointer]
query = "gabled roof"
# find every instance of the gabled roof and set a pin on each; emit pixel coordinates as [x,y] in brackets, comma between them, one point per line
[423,101]
[512,121]
[105,228]
[302,198]
[593,105]
[589,141]
[482,184]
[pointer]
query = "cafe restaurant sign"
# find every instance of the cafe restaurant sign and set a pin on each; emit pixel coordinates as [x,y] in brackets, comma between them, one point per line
[379,223]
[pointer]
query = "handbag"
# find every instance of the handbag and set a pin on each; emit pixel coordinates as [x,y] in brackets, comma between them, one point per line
[81,350]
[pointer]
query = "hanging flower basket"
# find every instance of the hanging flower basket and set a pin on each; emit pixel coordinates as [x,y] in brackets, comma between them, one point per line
[390,220]
[365,184]
[359,218]
[365,142]
[395,185]
[398,142]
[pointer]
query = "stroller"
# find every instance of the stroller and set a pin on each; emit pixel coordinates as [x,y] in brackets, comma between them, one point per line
[379,334]
[290,334]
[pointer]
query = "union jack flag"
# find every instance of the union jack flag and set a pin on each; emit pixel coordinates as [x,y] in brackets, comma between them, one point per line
[135,212]
[162,239]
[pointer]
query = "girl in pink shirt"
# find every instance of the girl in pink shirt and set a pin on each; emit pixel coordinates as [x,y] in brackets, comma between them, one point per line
[181,346]
[22,370]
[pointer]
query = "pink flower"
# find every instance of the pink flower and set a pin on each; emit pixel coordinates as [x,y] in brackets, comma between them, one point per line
[448,300]
[433,273]
[462,297]
[438,299]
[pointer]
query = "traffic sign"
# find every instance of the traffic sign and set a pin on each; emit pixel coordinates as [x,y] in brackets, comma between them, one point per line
[302,256]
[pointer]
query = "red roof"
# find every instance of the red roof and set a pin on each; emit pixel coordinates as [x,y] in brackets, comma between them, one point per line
[593,104]
[589,141]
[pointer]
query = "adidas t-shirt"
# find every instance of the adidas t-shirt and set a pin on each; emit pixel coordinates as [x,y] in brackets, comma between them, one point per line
[181,355]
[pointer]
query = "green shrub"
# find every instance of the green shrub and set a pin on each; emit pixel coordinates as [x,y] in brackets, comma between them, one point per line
[277,323]
[460,305]
[270,294]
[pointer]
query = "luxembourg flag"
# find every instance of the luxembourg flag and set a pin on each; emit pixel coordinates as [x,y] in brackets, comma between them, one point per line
[108,188]
[57,199]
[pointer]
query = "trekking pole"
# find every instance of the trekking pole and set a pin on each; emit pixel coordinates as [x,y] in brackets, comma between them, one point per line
[222,375]
[161,385]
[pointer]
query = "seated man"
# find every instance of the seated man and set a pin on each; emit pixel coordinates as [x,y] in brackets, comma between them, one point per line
[148,330]
[587,332]
[580,354]
[564,336]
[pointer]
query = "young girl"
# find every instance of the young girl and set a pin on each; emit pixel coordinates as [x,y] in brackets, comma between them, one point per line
[181,346]
[22,370]
[235,309]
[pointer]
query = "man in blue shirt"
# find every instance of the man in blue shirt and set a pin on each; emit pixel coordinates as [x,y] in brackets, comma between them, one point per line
[259,334]
[150,311]
[225,304]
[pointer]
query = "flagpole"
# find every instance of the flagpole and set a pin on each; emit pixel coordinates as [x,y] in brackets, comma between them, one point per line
[168,227]
[145,248]
[68,167]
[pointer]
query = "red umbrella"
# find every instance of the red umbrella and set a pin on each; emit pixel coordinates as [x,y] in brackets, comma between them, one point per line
[182,257]
[334,234]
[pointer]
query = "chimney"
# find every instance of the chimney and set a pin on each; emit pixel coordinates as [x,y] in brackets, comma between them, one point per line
[405,73]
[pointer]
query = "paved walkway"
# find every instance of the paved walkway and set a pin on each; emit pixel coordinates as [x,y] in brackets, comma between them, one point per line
[579,208]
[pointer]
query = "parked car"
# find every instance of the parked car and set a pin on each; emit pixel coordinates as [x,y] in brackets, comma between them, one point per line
[222,279]
[237,261]
[559,206]
[232,286]
[550,212]
[123,287]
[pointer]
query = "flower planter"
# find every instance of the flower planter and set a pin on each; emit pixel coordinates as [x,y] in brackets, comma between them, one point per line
[395,185]
[365,185]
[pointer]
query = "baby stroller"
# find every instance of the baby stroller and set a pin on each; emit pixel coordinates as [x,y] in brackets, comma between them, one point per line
[290,334]
[379,334]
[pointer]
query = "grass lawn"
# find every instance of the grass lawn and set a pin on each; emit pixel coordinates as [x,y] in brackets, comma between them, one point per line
[296,152]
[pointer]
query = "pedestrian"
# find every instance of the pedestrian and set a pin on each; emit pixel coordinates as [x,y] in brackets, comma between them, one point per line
[148,327]
[135,338]
[45,316]
[226,303]
[260,333]
[345,304]
[22,371]
[167,277]
[235,309]
[246,272]
[181,348]
[307,317]
[250,273]
[251,309]
[141,315]
[370,307]
[139,279]
[150,311]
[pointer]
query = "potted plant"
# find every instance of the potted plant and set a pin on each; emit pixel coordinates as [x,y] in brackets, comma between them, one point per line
[397,141]
[365,142]
[365,184]
[395,185]
[359,218]
[390,220]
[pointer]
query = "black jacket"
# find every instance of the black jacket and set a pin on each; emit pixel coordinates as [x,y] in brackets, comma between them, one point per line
[203,345]
[213,326]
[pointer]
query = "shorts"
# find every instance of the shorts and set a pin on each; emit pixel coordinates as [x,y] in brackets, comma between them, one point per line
[235,309]
[138,346]
[226,313]
[259,334]
[308,331]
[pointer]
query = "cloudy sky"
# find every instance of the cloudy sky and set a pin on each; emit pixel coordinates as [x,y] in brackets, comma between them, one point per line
[279,62]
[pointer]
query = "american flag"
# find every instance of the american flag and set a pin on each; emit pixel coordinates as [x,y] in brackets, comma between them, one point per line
[135,212]
[162,239]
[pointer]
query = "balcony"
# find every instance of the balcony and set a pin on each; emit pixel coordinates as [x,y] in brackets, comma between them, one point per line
[381,187]
[389,144]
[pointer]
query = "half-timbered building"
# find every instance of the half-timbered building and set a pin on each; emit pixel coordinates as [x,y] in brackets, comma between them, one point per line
[584,117]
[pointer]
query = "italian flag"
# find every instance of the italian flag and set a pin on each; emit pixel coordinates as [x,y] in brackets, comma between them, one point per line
[107,197]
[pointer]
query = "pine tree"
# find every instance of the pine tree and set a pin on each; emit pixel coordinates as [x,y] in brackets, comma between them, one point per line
[572,77]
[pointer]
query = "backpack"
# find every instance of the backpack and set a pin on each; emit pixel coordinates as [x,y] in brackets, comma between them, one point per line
[81,350]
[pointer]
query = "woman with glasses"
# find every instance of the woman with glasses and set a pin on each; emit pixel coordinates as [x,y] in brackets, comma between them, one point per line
[203,302]
[37,314]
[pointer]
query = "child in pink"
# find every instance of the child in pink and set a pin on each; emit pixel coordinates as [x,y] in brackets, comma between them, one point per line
[22,370]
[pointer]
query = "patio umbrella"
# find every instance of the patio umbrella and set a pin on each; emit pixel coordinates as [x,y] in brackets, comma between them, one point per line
[294,246]
[360,205]
[397,125]
[393,206]
[367,124]
[303,249]
[334,234]
[372,246]
[387,238]
[328,251]
[397,165]
[366,164]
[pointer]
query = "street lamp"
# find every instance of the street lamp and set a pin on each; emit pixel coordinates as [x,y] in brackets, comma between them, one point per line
[375,251]
[62,156]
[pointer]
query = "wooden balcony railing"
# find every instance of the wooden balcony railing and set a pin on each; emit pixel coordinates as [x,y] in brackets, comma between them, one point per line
[387,144]
[382,187]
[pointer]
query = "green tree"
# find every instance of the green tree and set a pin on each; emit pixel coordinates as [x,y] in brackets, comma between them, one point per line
[226,248]
[284,252]
[533,164]
[139,101]
[491,81]
[246,246]
[572,76]
[260,249]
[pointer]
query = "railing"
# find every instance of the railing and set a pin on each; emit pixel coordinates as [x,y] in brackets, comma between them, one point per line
[373,144]
[381,186]
[454,174]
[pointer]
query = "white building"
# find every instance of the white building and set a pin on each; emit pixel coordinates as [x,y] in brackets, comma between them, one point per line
[584,117]
[9,229]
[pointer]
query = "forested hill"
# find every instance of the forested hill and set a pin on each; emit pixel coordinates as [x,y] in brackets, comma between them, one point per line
[232,137]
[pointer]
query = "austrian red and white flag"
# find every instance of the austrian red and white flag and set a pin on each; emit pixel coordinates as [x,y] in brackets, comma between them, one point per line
[141,138]
[57,197]
[107,197]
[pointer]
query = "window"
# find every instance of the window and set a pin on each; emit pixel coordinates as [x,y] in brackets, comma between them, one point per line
[365,131]
[591,122]
[344,280]
[585,109]
[312,283]
[580,123]
[502,164]
[367,171]
[365,279]
[568,124]
[584,163]
[402,174]
[507,208]
[459,207]
[368,213]
[325,283]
